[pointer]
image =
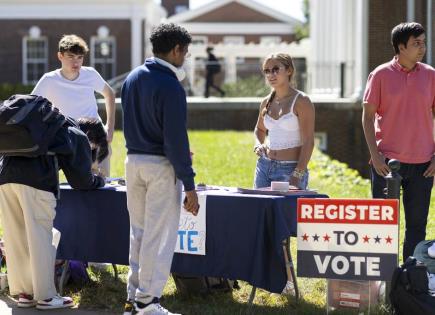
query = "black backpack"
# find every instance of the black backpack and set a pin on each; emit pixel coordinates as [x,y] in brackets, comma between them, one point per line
[194,285]
[409,290]
[28,125]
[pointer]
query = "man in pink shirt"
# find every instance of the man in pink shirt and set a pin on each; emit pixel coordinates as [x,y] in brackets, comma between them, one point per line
[398,108]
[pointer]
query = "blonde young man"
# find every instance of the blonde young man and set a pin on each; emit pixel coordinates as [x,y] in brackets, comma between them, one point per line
[71,88]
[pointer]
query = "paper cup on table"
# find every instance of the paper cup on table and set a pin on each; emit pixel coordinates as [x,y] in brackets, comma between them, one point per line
[280,186]
[3,281]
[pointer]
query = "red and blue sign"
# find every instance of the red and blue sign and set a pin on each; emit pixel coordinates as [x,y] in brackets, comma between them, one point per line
[355,239]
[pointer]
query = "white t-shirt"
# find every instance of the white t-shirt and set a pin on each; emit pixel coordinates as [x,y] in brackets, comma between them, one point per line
[74,98]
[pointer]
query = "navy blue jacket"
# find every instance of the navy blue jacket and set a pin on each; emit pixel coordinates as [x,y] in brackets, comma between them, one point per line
[154,117]
[73,153]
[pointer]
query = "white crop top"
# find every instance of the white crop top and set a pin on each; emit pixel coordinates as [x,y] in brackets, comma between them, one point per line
[284,132]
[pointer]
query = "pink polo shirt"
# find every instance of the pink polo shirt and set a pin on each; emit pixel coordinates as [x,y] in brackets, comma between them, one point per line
[405,102]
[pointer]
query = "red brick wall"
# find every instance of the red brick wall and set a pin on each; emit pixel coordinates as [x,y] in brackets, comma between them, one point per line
[12,32]
[383,16]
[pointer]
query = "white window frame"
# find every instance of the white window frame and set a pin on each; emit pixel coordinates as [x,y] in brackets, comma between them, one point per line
[268,40]
[26,61]
[234,40]
[179,8]
[95,40]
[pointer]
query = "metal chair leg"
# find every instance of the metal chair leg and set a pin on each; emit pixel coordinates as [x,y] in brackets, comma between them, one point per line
[63,276]
[290,267]
[292,270]
[251,297]
[115,271]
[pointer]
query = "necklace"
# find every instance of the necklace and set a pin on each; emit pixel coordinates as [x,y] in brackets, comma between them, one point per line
[278,101]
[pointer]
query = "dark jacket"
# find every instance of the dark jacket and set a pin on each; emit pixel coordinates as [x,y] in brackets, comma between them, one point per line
[154,116]
[73,153]
[213,66]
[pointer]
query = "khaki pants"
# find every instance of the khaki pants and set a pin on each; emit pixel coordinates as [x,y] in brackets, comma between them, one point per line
[154,203]
[27,215]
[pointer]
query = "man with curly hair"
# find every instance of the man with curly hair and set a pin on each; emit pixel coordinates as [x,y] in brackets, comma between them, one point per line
[158,164]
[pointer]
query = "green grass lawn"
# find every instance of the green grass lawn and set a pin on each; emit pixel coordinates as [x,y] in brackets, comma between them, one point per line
[226,158]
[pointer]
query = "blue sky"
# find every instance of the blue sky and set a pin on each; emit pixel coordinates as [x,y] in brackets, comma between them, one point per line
[289,7]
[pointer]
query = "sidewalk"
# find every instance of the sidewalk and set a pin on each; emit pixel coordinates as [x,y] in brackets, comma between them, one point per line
[8,307]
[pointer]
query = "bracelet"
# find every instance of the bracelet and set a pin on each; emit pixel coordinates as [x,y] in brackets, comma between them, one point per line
[299,174]
[257,146]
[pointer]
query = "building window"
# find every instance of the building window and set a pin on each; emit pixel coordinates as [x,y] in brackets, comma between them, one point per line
[235,40]
[103,53]
[180,8]
[35,56]
[199,40]
[267,40]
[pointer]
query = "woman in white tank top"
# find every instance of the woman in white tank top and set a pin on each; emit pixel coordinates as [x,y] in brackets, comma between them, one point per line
[284,133]
[287,119]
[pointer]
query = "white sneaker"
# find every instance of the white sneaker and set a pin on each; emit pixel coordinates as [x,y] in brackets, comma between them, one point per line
[56,301]
[152,309]
[26,301]
[289,289]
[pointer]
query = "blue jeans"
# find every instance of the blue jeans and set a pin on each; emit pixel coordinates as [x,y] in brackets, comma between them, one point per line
[416,200]
[268,170]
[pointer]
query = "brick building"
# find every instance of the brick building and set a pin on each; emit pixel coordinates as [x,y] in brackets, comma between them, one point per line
[234,21]
[116,32]
[242,32]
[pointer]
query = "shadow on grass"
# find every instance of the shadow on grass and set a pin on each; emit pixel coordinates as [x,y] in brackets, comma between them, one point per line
[225,303]
[105,292]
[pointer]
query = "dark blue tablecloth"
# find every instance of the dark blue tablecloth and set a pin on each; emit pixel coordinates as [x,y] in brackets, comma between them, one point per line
[244,234]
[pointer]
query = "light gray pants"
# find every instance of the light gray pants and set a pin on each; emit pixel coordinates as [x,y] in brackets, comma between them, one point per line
[154,201]
[27,216]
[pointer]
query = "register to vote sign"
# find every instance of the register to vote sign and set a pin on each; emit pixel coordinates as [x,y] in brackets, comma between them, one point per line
[192,229]
[347,238]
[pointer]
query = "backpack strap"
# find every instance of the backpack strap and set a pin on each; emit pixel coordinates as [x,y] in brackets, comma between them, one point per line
[24,111]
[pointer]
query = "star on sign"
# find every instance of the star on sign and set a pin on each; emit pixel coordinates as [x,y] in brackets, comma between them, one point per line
[305,237]
[377,239]
[316,237]
[366,239]
[388,239]
[326,238]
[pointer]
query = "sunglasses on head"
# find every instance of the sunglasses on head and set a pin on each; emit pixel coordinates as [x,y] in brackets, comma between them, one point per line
[275,70]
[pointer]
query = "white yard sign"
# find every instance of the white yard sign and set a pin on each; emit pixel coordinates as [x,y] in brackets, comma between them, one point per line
[353,239]
[192,229]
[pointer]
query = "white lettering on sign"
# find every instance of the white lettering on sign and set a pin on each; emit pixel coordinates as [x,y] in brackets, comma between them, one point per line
[341,265]
[322,266]
[373,266]
[340,270]
[347,212]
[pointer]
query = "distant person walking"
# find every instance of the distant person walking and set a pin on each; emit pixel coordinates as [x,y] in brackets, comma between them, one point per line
[398,109]
[212,68]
